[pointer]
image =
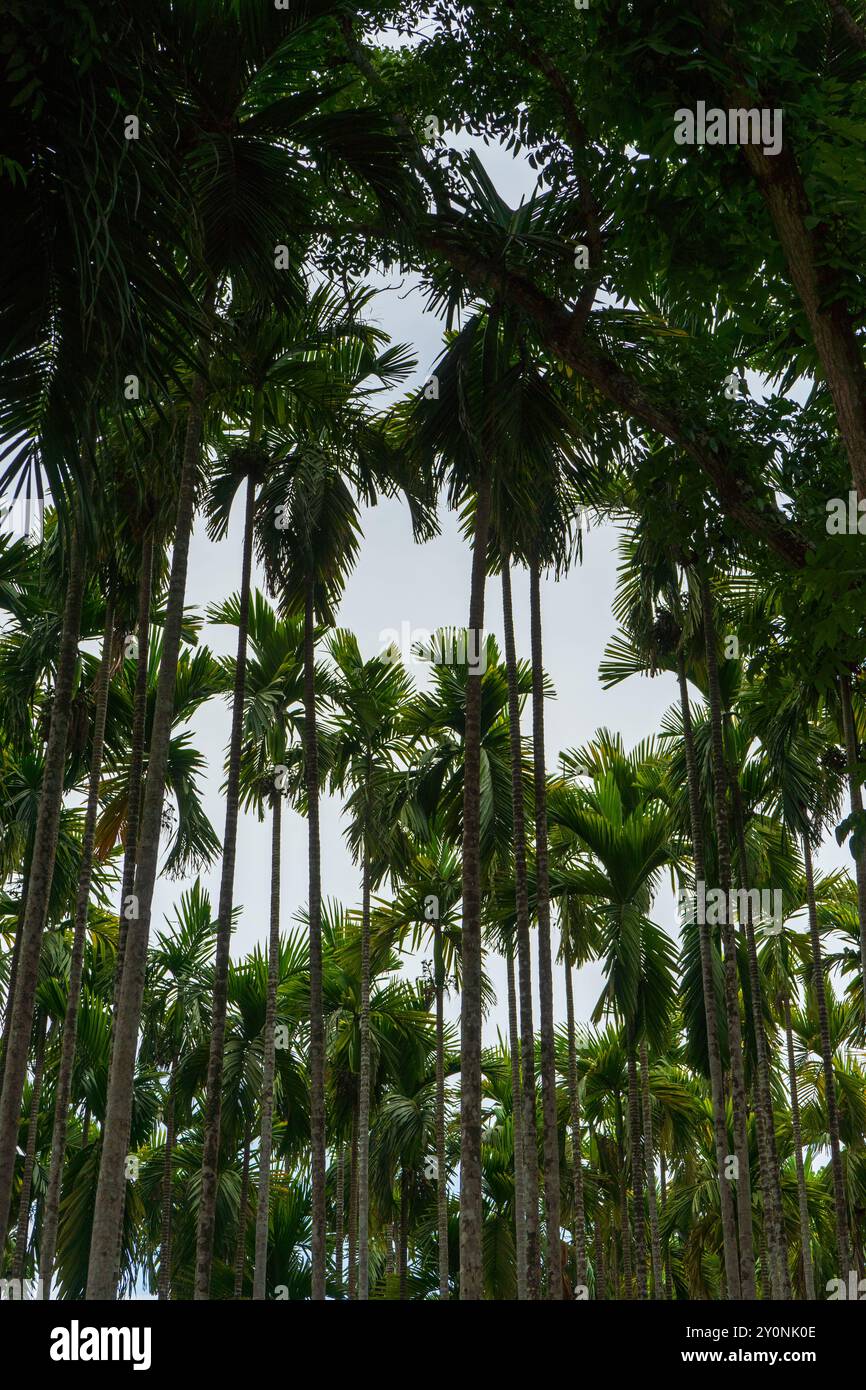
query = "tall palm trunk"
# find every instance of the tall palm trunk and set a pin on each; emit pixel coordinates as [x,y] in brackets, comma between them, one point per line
[517,1131]
[441,1187]
[771,1187]
[241,1244]
[576,1146]
[855,792]
[23,1228]
[840,1203]
[545,964]
[39,886]
[403,1247]
[471,1283]
[625,1234]
[637,1166]
[524,954]
[598,1243]
[340,1205]
[353,1209]
[802,1199]
[136,759]
[260,1273]
[732,1000]
[213,1109]
[364,1084]
[13,967]
[663,1194]
[111,1186]
[317,1021]
[649,1155]
[48,1241]
[720,1126]
[164,1286]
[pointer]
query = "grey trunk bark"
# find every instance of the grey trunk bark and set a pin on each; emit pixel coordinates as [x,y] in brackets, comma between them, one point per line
[720,1127]
[471,1277]
[260,1273]
[524,954]
[732,984]
[22,1007]
[111,1187]
[213,1108]
[802,1199]
[317,1020]
[840,1201]
[63,1091]
[545,963]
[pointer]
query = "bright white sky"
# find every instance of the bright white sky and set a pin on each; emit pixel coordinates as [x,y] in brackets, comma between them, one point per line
[398,582]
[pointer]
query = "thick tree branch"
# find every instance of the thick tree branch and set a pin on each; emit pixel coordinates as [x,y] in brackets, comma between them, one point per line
[578,141]
[555,329]
[817,283]
[855,32]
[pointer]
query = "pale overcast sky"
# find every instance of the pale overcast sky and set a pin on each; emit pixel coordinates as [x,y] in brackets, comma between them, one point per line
[397,582]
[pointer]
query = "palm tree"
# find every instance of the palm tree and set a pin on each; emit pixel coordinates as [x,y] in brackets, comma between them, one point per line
[426,902]
[175,1023]
[628,831]
[234,222]
[269,767]
[64,1077]
[368,748]
[272,354]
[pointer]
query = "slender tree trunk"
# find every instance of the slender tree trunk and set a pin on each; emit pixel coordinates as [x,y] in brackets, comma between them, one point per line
[353,1209]
[317,1020]
[649,1155]
[441,1182]
[517,1131]
[625,1234]
[340,1217]
[802,1199]
[260,1273]
[13,971]
[164,1286]
[111,1186]
[767,1150]
[524,954]
[663,1193]
[720,1127]
[855,792]
[39,886]
[637,1167]
[840,1202]
[576,1146]
[241,1246]
[23,1229]
[213,1110]
[614,1260]
[471,1278]
[600,1272]
[403,1251]
[545,965]
[136,761]
[51,1217]
[732,1002]
[364,1079]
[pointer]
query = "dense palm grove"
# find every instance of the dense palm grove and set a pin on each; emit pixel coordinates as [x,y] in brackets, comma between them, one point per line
[199,203]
